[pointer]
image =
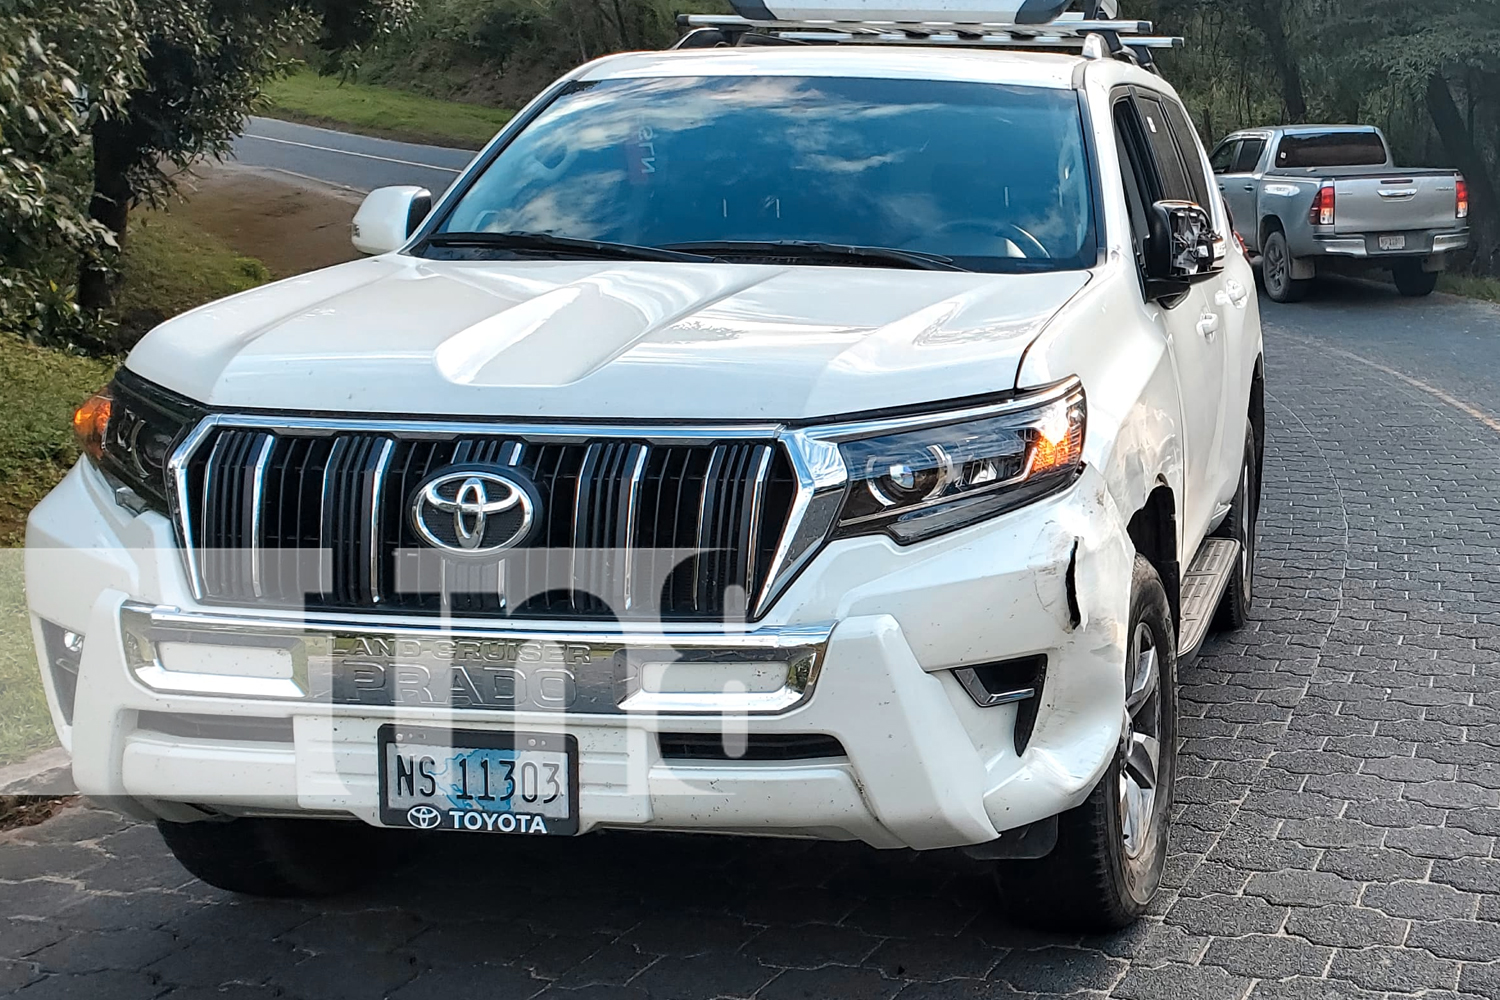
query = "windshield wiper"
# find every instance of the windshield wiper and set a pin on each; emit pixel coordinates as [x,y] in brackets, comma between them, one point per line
[812,249]
[563,246]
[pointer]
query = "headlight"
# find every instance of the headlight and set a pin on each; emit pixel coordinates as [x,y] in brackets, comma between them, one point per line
[952,471]
[130,430]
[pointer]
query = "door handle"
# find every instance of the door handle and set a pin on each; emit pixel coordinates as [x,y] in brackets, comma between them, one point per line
[1208,325]
[1249,187]
[1232,294]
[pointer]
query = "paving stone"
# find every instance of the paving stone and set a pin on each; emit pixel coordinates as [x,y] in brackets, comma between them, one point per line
[1303,988]
[1058,970]
[1469,874]
[1465,940]
[1296,888]
[1360,864]
[677,978]
[1228,916]
[935,959]
[352,975]
[19,938]
[1180,982]
[1394,969]
[207,964]
[818,984]
[16,974]
[1420,901]
[93,986]
[101,951]
[465,981]
[1434,842]
[1346,926]
[1263,956]
[811,946]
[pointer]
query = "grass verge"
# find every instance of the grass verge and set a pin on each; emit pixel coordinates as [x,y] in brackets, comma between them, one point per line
[1471,286]
[169,266]
[369,109]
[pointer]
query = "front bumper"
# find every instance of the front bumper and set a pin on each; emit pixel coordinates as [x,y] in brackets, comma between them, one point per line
[868,639]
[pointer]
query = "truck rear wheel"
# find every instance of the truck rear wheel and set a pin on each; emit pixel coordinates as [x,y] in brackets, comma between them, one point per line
[284,858]
[1107,865]
[1276,270]
[1413,282]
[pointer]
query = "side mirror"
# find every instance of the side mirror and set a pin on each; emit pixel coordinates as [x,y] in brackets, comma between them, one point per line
[388,216]
[1184,248]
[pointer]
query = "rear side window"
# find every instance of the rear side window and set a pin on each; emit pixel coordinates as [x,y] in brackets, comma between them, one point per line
[1192,152]
[1224,157]
[1174,180]
[1331,149]
[1249,156]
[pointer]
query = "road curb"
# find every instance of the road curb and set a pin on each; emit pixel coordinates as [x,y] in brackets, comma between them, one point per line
[47,773]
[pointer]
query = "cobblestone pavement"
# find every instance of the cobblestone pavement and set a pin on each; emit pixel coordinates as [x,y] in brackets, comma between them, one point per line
[1336,836]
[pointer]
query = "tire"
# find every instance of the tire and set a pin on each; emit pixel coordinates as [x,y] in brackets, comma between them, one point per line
[1241,523]
[1413,282]
[284,858]
[1094,881]
[1276,270]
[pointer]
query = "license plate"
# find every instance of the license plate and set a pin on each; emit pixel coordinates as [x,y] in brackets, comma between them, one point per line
[478,782]
[1393,242]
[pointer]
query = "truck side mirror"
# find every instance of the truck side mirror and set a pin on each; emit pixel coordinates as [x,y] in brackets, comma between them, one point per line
[388,216]
[1183,249]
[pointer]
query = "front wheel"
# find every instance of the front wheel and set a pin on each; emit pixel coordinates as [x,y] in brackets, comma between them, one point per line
[1276,271]
[284,858]
[1413,282]
[1107,865]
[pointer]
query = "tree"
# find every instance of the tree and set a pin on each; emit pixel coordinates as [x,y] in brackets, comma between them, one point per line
[204,65]
[64,64]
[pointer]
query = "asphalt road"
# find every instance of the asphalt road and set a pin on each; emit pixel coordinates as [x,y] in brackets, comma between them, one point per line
[1337,817]
[353,161]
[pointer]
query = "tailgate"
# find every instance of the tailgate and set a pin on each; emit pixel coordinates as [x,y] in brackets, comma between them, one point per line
[1395,203]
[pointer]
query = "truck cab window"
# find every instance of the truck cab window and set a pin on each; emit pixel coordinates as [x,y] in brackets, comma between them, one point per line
[1248,157]
[1224,157]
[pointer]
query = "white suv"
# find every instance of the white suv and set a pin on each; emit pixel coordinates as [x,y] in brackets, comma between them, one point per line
[837,441]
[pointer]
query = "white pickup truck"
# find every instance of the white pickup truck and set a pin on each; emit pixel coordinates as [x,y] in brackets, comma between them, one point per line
[843,441]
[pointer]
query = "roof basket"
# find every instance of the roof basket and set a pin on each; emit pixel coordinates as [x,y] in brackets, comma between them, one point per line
[1095,29]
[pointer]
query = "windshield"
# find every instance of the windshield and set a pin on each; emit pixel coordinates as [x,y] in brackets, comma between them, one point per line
[993,177]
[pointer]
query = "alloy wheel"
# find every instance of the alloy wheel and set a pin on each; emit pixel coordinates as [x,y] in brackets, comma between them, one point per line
[1141,742]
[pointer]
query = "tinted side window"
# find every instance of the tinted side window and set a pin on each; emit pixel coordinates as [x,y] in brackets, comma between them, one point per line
[1249,156]
[1134,158]
[1192,154]
[1225,156]
[1174,181]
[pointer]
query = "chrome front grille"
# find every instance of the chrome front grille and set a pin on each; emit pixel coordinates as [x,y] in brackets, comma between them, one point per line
[656,528]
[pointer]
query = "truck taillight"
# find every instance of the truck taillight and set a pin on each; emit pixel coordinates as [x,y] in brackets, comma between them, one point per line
[1463,198]
[1322,207]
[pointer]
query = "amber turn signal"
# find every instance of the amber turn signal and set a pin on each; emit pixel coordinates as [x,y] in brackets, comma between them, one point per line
[90,423]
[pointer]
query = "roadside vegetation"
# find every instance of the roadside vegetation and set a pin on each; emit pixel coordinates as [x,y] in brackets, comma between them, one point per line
[1471,286]
[168,267]
[373,109]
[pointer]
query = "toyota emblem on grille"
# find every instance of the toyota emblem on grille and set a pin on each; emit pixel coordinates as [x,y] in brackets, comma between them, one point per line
[423,817]
[474,510]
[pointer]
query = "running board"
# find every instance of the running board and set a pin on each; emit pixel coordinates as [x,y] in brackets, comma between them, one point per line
[1202,588]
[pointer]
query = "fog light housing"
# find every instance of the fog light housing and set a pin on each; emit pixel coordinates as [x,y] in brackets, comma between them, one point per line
[62,652]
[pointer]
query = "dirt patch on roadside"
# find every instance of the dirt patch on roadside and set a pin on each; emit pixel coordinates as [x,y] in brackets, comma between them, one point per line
[17,811]
[289,224]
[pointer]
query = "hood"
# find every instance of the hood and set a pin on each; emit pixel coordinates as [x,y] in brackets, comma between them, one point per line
[608,340]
